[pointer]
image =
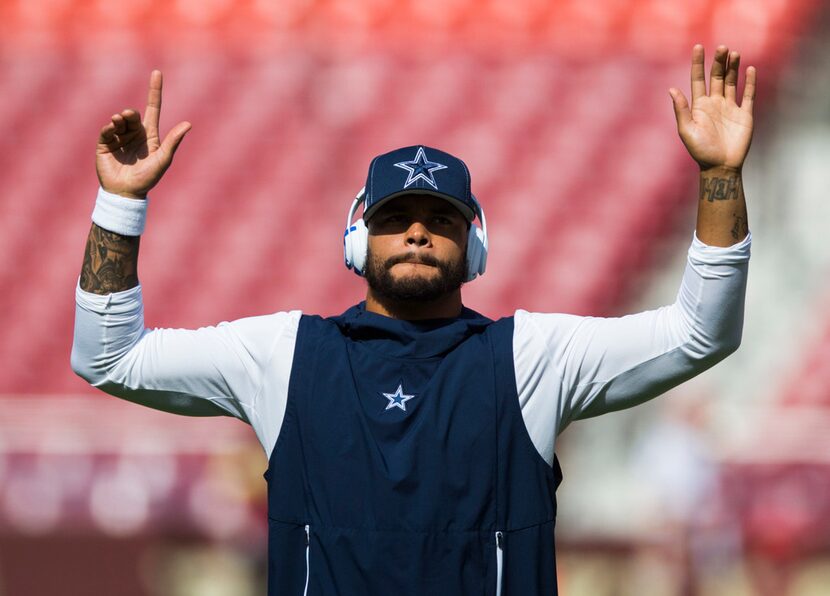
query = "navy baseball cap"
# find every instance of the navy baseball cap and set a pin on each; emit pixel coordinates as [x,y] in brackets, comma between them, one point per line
[418,169]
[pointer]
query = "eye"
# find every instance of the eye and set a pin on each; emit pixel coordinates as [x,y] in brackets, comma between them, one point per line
[442,220]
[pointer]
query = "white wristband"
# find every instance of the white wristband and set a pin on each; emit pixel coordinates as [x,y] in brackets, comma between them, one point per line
[120,214]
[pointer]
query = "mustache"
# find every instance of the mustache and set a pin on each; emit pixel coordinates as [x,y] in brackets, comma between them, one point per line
[412,258]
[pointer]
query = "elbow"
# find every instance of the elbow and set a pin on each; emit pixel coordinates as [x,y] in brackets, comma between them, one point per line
[712,336]
[725,349]
[711,350]
[85,367]
[730,345]
[728,340]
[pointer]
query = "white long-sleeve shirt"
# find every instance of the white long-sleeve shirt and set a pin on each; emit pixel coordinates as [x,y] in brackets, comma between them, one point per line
[567,367]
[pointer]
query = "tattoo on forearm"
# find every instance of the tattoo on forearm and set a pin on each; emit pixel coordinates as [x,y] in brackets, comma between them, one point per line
[720,189]
[110,262]
[741,227]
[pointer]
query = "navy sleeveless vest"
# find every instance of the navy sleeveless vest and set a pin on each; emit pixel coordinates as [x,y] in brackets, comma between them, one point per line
[403,466]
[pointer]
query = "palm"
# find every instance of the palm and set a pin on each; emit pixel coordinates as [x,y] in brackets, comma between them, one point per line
[130,160]
[716,130]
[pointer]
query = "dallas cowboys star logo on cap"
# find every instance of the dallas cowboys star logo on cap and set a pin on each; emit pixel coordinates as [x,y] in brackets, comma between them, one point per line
[420,168]
[397,399]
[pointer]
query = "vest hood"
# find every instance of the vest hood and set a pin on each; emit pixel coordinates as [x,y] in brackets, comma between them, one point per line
[397,338]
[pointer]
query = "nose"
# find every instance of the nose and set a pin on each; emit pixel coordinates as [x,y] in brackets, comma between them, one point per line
[418,235]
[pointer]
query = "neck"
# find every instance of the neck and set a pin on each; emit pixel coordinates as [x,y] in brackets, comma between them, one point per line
[446,307]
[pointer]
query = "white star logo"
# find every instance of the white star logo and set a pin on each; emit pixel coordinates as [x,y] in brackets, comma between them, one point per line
[420,168]
[397,399]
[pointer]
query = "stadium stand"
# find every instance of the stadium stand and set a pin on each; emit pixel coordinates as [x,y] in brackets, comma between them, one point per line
[289,102]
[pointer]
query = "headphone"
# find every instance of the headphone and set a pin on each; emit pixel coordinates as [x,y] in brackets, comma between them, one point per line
[356,241]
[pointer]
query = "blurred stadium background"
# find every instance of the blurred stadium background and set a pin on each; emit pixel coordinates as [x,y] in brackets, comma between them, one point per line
[561,110]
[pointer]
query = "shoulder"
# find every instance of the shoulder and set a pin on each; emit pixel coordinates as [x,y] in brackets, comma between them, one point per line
[545,327]
[534,329]
[261,337]
[546,339]
[268,324]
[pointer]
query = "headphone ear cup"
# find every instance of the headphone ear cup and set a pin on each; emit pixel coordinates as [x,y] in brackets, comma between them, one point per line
[476,253]
[355,246]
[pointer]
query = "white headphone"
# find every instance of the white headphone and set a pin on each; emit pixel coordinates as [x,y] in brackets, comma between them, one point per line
[356,241]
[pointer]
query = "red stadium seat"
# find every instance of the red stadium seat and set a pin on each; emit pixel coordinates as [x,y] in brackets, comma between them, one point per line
[553,120]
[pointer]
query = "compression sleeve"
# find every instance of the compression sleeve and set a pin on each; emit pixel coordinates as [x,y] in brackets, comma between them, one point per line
[218,370]
[570,367]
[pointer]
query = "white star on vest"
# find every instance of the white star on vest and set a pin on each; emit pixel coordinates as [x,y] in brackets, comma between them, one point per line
[397,399]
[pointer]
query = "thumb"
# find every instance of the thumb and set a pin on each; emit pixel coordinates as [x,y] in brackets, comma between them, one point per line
[173,138]
[681,108]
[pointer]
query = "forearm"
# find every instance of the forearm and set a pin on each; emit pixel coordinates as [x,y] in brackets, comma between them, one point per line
[721,212]
[110,262]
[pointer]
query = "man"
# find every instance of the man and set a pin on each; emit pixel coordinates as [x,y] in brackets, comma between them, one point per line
[411,440]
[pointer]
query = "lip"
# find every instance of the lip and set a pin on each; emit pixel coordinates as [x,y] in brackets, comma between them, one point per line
[416,268]
[413,263]
[413,258]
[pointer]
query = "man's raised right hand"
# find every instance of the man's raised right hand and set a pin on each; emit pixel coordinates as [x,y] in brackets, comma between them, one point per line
[129,159]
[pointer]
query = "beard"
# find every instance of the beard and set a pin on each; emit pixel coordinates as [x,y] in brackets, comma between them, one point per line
[414,288]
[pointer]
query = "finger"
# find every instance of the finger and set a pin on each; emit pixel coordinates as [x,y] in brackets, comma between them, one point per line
[681,108]
[153,109]
[718,71]
[119,123]
[749,90]
[131,120]
[107,134]
[698,72]
[730,90]
[173,138]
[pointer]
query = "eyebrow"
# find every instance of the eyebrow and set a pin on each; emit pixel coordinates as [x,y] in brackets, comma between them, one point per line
[446,209]
[443,209]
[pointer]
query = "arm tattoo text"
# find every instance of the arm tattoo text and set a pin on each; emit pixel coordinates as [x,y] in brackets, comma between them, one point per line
[720,189]
[741,227]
